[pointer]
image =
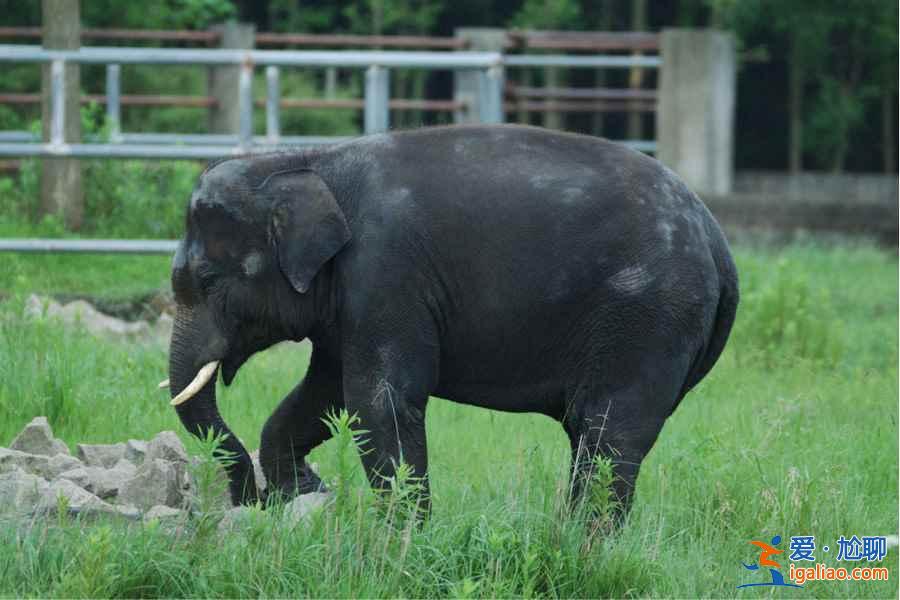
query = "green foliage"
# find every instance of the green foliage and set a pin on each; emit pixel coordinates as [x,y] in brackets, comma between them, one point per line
[379,17]
[846,53]
[784,316]
[210,484]
[548,14]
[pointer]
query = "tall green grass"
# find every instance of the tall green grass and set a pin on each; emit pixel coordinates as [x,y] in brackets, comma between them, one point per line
[793,433]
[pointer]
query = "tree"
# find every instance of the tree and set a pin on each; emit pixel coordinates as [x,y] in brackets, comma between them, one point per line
[841,58]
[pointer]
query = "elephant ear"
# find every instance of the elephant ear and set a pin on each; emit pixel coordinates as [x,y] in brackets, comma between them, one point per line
[308,226]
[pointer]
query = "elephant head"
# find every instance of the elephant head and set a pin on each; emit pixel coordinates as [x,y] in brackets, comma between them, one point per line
[258,234]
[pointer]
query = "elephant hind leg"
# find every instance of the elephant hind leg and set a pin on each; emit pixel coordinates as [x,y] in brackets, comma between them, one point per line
[620,429]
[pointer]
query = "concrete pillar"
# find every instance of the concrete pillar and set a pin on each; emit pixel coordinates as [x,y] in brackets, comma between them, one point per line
[224,80]
[695,116]
[61,188]
[467,83]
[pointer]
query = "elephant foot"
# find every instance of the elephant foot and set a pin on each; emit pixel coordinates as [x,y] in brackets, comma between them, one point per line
[306,481]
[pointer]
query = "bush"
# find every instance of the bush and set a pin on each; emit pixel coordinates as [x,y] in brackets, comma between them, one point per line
[784,315]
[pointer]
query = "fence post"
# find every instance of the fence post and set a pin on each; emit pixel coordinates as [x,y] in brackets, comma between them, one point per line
[376,115]
[61,187]
[490,96]
[467,83]
[113,102]
[223,82]
[273,105]
[695,117]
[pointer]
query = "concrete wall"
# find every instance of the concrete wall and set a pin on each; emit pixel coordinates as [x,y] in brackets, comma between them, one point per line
[865,205]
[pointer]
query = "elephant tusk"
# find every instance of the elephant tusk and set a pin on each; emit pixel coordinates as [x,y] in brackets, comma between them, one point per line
[203,376]
[163,384]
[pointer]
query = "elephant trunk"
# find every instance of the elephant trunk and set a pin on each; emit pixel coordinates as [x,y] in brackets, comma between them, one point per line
[198,410]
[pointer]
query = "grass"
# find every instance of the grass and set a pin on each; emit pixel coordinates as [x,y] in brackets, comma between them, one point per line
[793,433]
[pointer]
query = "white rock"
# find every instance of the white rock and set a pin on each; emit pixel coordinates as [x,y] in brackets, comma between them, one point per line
[37,438]
[154,482]
[166,446]
[302,506]
[162,513]
[104,483]
[236,518]
[135,450]
[80,501]
[100,455]
[20,492]
[96,322]
[48,467]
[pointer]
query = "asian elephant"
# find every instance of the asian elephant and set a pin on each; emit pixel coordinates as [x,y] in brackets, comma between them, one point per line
[506,267]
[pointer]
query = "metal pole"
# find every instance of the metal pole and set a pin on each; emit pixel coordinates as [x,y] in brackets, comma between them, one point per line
[377,117]
[57,103]
[113,107]
[245,104]
[273,98]
[93,246]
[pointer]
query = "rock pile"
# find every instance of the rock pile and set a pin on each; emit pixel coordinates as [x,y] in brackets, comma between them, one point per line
[98,323]
[135,480]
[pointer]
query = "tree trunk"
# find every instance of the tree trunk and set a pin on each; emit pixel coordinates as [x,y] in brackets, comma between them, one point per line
[888,131]
[795,109]
[525,80]
[61,188]
[604,24]
[552,118]
[636,76]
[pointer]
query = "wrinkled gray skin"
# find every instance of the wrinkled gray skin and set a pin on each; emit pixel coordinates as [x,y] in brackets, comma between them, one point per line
[500,266]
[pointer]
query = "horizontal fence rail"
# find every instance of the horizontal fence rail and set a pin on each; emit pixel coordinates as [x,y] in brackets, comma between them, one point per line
[593,41]
[35,245]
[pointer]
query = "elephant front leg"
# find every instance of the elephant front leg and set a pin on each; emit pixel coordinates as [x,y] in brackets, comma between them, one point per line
[296,427]
[390,399]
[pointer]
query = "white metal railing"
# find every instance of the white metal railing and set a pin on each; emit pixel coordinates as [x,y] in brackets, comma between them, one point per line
[488,106]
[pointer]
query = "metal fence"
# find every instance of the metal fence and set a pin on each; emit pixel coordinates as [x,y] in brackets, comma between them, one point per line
[488,101]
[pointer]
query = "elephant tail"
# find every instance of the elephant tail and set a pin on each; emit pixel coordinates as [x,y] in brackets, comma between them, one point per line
[726,311]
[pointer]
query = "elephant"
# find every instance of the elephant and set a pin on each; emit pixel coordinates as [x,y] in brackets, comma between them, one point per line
[507,267]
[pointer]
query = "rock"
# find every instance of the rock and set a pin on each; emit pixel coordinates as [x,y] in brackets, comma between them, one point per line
[163,303]
[302,506]
[96,322]
[135,450]
[162,329]
[166,446]
[104,483]
[20,492]
[100,455]
[80,502]
[162,513]
[80,477]
[236,518]
[37,438]
[47,467]
[82,312]
[154,482]
[59,464]
[36,306]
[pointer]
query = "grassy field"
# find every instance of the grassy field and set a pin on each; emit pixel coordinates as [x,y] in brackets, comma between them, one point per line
[794,433]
